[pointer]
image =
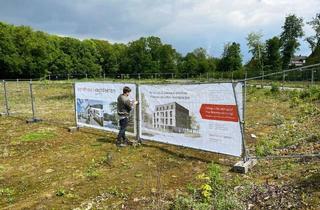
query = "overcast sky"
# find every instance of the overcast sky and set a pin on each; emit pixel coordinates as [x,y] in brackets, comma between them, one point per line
[185,24]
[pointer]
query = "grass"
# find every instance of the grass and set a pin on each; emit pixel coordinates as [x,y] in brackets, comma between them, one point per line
[154,175]
[37,136]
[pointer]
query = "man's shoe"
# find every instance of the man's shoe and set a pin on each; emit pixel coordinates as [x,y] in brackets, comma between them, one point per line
[121,145]
[131,142]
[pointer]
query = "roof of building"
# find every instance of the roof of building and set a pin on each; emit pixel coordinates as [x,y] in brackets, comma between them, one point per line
[167,104]
[299,57]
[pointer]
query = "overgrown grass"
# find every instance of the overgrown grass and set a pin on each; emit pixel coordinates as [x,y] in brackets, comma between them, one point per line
[212,193]
[291,132]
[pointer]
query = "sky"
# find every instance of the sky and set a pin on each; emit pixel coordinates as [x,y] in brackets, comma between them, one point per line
[185,24]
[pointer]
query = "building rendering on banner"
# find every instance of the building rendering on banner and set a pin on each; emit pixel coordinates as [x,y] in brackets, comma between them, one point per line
[172,117]
[95,112]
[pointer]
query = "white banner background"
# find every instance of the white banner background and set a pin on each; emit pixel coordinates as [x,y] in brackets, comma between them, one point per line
[96,105]
[171,114]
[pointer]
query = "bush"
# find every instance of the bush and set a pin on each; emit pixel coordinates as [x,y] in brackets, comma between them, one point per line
[275,87]
[312,94]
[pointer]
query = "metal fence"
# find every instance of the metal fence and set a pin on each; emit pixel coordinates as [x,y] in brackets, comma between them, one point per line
[303,74]
[53,101]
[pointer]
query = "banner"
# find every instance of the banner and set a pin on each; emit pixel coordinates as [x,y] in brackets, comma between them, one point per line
[96,105]
[202,116]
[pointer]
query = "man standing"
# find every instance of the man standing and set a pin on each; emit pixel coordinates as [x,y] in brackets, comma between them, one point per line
[124,106]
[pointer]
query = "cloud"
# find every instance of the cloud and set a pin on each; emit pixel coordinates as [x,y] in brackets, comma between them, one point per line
[186,24]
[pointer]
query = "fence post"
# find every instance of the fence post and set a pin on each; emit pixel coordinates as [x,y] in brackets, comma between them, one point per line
[137,110]
[76,127]
[283,79]
[33,119]
[246,163]
[6,98]
[172,76]
[312,76]
[244,98]
[104,76]
[262,79]
[75,103]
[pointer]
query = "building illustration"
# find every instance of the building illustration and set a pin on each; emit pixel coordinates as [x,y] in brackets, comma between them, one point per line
[92,114]
[171,116]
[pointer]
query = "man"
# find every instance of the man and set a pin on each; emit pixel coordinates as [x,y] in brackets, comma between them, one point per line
[124,106]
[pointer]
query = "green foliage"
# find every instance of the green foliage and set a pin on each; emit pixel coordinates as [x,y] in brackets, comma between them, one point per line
[92,171]
[231,59]
[314,57]
[314,40]
[273,58]
[8,194]
[214,173]
[255,44]
[187,202]
[311,93]
[277,119]
[292,31]
[33,54]
[60,192]
[275,87]
[290,132]
[211,194]
[197,62]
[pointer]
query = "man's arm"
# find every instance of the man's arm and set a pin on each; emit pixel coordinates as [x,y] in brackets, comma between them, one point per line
[127,104]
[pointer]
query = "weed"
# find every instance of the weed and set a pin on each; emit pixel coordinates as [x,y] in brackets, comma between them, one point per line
[212,193]
[92,171]
[115,192]
[287,166]
[277,119]
[8,194]
[275,87]
[60,192]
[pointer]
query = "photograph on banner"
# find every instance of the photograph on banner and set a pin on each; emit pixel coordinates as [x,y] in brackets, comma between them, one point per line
[201,116]
[96,105]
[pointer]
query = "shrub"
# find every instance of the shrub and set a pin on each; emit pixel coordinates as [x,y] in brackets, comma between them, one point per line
[275,87]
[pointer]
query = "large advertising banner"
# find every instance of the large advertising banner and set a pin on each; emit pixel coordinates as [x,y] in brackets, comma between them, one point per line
[96,105]
[202,116]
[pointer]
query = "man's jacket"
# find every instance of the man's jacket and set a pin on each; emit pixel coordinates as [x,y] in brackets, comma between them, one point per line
[123,106]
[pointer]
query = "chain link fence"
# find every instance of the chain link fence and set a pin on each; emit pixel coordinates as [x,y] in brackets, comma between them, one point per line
[2,98]
[17,101]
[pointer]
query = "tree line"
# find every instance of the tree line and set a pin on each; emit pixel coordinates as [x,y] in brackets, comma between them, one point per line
[26,53]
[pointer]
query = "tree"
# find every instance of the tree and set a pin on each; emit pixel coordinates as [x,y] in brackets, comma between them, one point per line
[273,57]
[168,59]
[231,58]
[256,48]
[314,41]
[10,61]
[139,59]
[292,30]
[255,44]
[189,64]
